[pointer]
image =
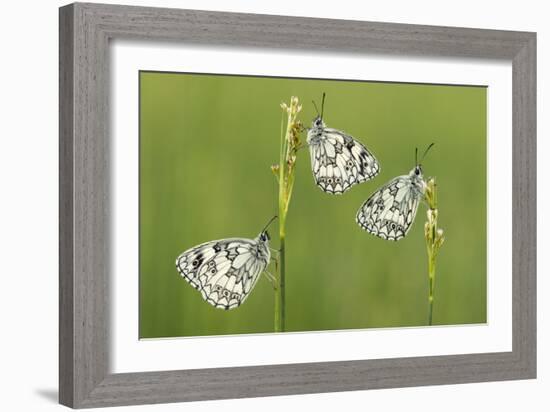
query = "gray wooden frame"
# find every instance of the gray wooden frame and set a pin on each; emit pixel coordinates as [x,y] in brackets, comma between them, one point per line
[85,31]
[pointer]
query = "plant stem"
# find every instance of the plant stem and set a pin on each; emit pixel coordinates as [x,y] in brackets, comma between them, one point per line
[280,291]
[434,240]
[280,288]
[284,172]
[431,275]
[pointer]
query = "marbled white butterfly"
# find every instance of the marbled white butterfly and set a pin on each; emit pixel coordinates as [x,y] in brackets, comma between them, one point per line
[225,271]
[338,161]
[390,211]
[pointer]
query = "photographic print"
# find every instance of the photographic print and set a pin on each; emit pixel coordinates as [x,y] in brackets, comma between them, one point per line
[273,204]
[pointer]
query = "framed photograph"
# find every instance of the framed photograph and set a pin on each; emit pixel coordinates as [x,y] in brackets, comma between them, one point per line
[255,205]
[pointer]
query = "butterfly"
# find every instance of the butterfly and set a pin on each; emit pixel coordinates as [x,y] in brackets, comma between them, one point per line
[225,271]
[390,211]
[338,161]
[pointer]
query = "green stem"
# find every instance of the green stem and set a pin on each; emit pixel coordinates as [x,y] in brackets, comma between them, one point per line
[285,178]
[431,275]
[434,240]
[280,291]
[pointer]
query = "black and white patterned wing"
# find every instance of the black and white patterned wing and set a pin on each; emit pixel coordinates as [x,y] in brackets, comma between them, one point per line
[223,271]
[389,212]
[338,162]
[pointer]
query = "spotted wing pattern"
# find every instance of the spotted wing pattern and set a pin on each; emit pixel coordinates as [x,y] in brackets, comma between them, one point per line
[223,271]
[338,161]
[389,212]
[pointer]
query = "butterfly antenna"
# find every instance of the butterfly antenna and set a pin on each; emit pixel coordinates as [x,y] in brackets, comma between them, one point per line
[426,151]
[314,105]
[268,223]
[323,105]
[416,156]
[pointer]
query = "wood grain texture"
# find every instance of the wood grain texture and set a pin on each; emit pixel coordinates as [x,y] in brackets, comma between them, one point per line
[524,207]
[66,229]
[85,31]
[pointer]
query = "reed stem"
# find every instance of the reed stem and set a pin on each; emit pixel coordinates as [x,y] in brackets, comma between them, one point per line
[284,173]
[434,240]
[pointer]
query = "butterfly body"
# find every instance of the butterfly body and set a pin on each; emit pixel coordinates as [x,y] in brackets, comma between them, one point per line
[390,211]
[225,271]
[338,161]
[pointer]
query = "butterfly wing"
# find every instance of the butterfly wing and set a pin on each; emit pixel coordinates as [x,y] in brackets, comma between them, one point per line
[338,161]
[389,212]
[223,271]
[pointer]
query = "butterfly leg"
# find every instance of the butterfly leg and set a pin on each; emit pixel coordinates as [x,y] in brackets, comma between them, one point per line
[271,279]
[302,146]
[276,260]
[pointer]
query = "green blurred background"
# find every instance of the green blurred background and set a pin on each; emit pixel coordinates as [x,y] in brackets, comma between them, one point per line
[206,146]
